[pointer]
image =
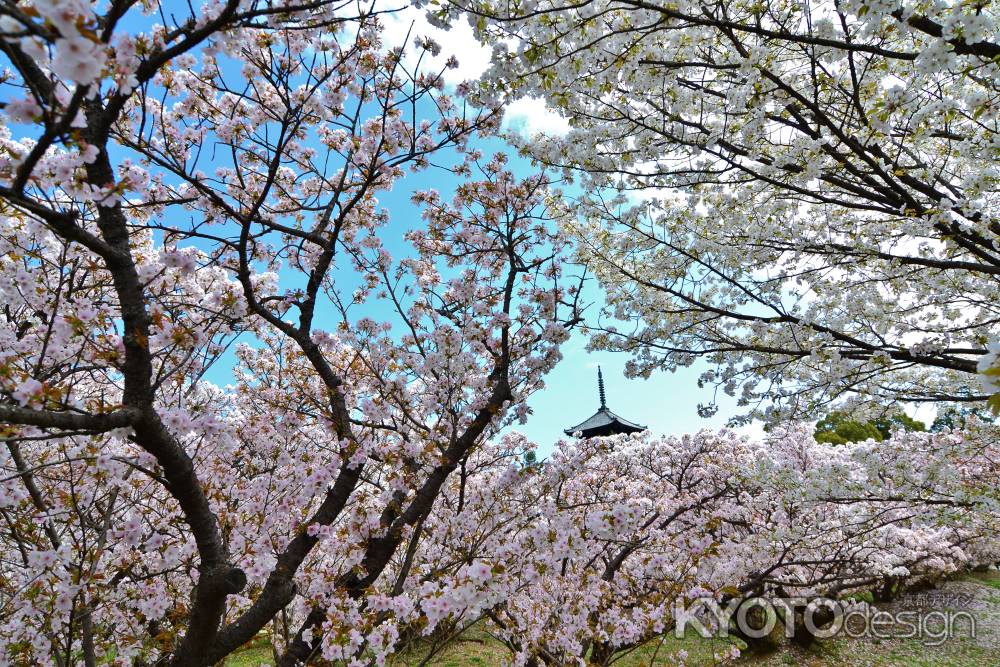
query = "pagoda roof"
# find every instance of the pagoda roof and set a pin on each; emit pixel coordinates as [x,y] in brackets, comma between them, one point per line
[604,421]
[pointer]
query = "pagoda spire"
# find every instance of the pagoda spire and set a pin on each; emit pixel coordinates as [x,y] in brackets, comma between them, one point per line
[600,388]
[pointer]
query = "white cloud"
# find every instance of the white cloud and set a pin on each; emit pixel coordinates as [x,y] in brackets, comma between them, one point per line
[529,116]
[473,58]
[526,116]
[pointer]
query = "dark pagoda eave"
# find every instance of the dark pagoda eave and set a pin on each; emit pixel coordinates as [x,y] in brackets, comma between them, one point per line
[604,422]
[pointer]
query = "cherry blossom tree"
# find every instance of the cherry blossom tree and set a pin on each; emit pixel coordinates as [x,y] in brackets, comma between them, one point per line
[802,195]
[878,515]
[584,558]
[172,182]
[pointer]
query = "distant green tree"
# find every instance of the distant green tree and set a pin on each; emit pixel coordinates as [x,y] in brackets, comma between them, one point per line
[955,416]
[886,425]
[530,459]
[837,428]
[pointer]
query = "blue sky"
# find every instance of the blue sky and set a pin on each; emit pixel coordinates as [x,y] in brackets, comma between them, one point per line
[666,403]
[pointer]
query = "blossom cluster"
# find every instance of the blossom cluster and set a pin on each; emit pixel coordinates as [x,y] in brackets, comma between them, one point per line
[203,200]
[803,198]
[589,552]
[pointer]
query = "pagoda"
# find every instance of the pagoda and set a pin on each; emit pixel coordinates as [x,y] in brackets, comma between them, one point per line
[603,422]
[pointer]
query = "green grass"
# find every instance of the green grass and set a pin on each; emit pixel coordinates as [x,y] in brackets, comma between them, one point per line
[256,654]
[861,596]
[474,647]
[662,651]
[991,578]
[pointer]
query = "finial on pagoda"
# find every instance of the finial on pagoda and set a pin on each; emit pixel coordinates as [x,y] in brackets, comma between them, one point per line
[600,388]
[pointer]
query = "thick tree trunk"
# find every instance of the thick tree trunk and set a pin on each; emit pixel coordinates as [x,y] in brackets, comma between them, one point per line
[601,654]
[888,591]
[801,635]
